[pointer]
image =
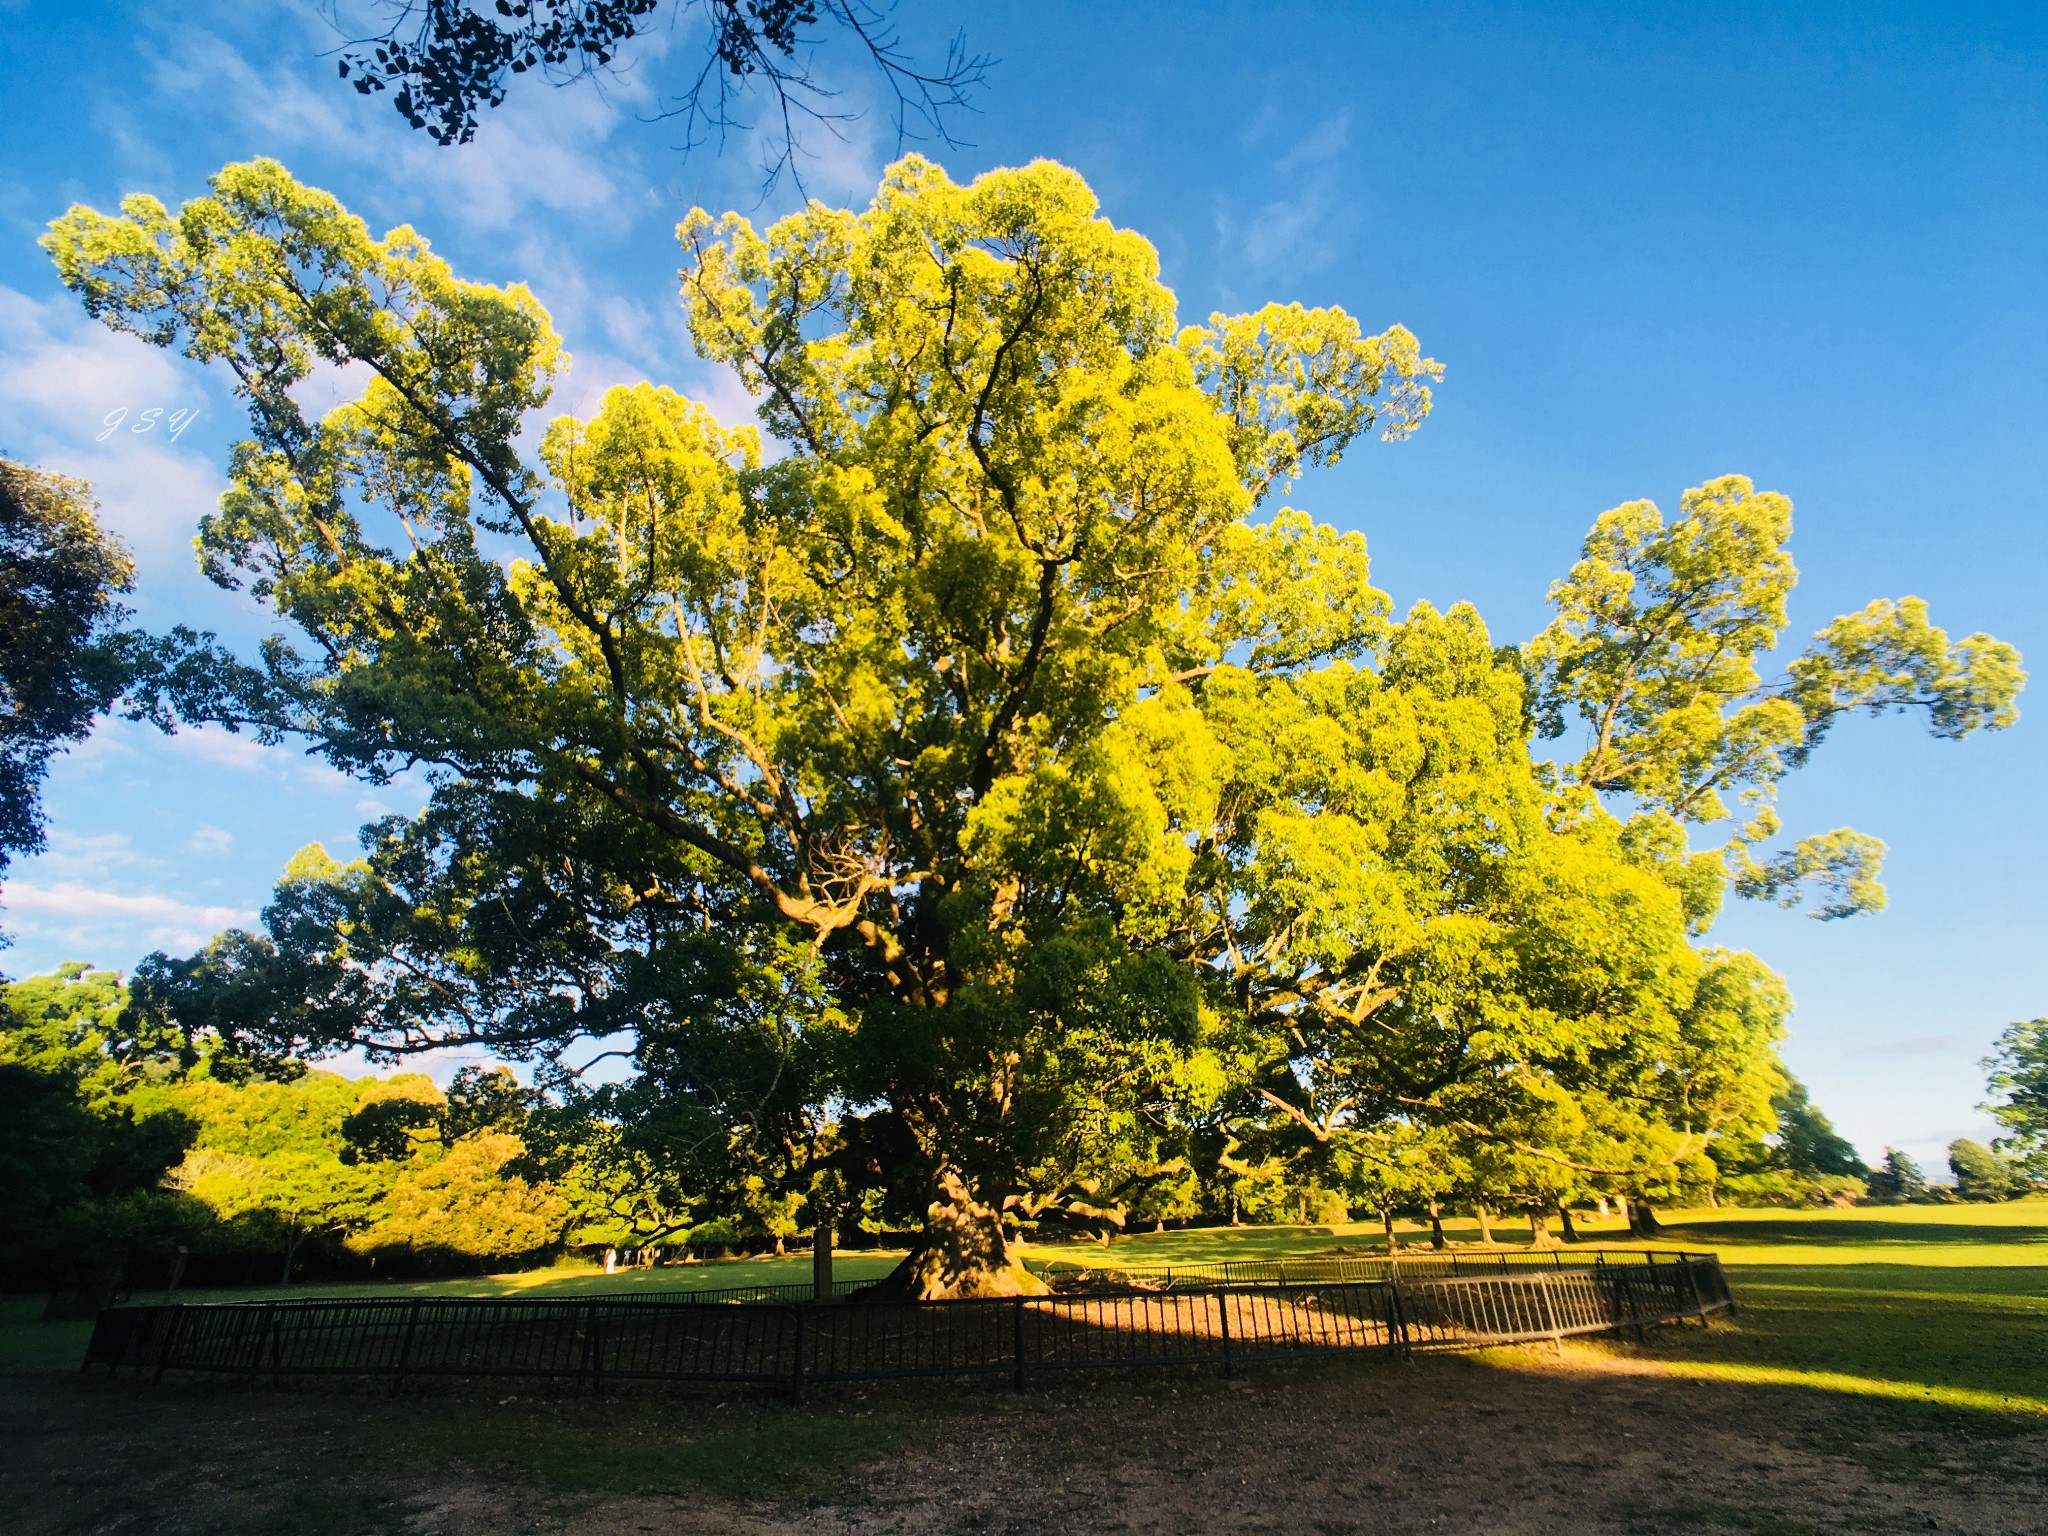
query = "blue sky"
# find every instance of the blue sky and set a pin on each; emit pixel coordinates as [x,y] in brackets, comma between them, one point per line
[1651,244]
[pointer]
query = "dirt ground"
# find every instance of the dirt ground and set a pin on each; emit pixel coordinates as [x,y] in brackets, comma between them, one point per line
[1589,1441]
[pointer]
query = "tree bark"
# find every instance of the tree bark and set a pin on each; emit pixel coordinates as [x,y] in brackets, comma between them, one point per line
[821,1262]
[1387,1226]
[1436,1226]
[963,1251]
[1539,1231]
[1564,1223]
[1642,1221]
[1485,1224]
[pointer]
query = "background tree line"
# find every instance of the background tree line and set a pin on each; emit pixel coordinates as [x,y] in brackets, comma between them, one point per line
[135,1154]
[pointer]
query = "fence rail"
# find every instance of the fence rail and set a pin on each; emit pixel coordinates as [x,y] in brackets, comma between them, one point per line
[746,1337]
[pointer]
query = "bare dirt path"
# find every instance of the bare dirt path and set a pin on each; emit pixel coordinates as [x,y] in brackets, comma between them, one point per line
[1591,1441]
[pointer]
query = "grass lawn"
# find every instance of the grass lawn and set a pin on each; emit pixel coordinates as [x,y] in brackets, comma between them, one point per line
[1888,1370]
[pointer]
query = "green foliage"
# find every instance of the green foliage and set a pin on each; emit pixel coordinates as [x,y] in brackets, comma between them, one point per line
[1899,1179]
[1805,1153]
[984,802]
[1982,1174]
[1656,645]
[2018,1073]
[62,657]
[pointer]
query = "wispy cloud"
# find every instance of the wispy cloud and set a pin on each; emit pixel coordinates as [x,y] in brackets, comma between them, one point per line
[78,399]
[94,917]
[70,855]
[207,838]
[1314,211]
[535,151]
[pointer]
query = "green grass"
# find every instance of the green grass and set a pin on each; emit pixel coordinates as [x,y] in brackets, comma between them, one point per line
[1943,1305]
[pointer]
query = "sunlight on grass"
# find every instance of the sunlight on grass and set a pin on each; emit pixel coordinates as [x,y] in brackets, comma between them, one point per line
[1859,1386]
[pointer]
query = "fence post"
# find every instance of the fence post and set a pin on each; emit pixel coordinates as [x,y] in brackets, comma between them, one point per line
[1628,1292]
[163,1358]
[1550,1313]
[596,1341]
[412,1319]
[1397,1314]
[1223,1311]
[796,1371]
[263,1316]
[1692,1286]
[1017,1343]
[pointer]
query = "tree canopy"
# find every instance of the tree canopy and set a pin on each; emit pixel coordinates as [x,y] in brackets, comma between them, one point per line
[2018,1073]
[61,653]
[993,800]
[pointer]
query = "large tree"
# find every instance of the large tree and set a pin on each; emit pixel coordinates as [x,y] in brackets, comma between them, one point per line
[987,804]
[829,773]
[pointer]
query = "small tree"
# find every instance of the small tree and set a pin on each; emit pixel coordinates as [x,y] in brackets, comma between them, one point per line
[2018,1071]
[1899,1179]
[1981,1174]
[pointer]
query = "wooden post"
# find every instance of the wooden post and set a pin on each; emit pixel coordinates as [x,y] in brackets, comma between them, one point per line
[821,1261]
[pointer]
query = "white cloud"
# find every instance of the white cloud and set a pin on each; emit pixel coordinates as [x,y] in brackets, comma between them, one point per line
[207,838]
[89,916]
[62,377]
[533,151]
[90,856]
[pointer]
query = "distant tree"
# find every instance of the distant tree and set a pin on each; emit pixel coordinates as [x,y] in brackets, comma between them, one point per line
[1899,1179]
[1982,1174]
[61,651]
[445,62]
[1808,1140]
[465,1199]
[2018,1071]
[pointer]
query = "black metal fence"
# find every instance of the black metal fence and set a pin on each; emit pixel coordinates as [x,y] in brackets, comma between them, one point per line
[721,1337]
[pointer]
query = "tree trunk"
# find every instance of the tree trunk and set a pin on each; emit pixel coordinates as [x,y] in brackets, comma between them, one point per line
[1539,1231]
[821,1261]
[292,1238]
[963,1251]
[1387,1226]
[1436,1226]
[1642,1221]
[1564,1223]
[1485,1224]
